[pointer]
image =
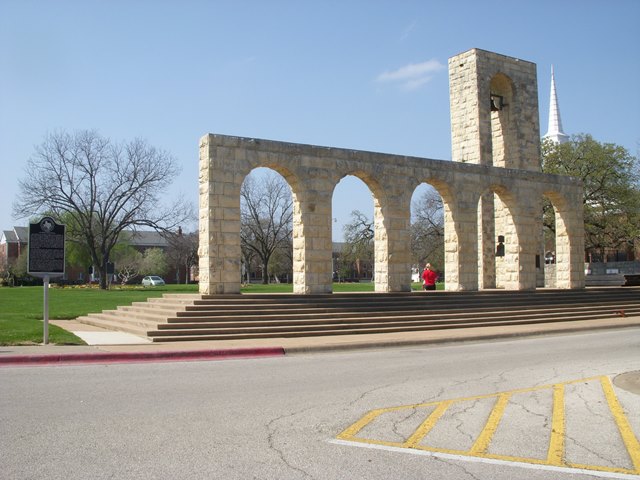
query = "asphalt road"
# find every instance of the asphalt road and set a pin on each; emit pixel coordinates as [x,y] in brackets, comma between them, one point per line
[536,408]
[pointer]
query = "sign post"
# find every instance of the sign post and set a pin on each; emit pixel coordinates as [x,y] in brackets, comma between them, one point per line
[46,258]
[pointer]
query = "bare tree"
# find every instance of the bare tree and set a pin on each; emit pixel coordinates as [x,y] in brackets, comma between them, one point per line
[359,242]
[427,229]
[101,188]
[266,217]
[183,252]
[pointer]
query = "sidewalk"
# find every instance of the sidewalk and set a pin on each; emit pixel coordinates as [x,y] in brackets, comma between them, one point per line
[111,347]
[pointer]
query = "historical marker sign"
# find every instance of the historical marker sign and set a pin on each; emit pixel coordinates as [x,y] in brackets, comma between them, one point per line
[46,248]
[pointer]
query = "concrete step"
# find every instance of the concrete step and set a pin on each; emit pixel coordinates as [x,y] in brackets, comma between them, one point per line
[106,322]
[113,316]
[393,329]
[411,300]
[444,315]
[366,312]
[194,317]
[379,321]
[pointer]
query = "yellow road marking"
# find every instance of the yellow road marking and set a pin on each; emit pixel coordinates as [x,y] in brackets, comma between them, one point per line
[556,442]
[484,439]
[427,425]
[556,451]
[629,439]
[360,424]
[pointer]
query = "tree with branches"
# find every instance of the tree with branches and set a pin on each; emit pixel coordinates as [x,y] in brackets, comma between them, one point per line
[427,229]
[183,253]
[359,241]
[101,188]
[611,180]
[266,210]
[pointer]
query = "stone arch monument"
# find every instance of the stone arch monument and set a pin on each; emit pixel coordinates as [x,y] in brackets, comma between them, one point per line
[492,188]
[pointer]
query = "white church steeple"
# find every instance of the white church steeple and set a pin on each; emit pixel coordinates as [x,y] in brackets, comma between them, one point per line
[554,132]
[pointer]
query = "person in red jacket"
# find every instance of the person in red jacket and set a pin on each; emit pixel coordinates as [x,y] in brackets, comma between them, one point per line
[429,277]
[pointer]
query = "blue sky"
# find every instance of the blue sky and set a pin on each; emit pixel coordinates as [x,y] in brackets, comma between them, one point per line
[367,75]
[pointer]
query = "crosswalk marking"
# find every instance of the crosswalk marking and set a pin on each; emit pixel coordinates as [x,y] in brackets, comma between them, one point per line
[484,439]
[364,430]
[629,439]
[556,443]
[427,425]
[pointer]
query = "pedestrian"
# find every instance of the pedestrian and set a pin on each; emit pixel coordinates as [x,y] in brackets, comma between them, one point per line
[429,277]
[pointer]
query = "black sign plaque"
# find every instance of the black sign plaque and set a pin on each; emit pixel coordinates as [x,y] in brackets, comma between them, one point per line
[46,248]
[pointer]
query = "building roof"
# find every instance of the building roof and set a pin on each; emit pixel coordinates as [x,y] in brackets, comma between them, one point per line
[17,235]
[22,233]
[140,238]
[6,236]
[145,238]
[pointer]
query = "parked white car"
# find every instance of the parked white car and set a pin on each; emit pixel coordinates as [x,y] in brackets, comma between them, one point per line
[152,281]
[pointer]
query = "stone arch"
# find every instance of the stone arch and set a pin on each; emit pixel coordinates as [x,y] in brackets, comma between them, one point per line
[498,239]
[343,197]
[503,141]
[381,226]
[427,242]
[292,181]
[566,269]
[456,224]
[313,171]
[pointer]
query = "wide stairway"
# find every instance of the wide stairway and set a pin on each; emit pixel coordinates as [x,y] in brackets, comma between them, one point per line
[181,317]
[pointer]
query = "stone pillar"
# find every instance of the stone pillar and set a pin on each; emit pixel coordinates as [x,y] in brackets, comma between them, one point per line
[461,243]
[486,235]
[219,220]
[392,240]
[312,242]
[520,255]
[570,242]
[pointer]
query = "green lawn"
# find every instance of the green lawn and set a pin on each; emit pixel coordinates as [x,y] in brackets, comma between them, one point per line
[21,308]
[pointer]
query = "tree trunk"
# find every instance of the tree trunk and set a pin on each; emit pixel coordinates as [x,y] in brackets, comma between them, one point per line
[102,275]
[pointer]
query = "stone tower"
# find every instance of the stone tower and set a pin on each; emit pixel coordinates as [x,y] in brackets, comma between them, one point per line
[494,110]
[494,122]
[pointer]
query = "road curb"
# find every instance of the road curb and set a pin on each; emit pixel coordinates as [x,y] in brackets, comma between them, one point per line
[134,357]
[450,340]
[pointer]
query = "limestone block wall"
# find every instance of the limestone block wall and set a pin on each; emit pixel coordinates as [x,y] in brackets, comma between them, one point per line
[496,153]
[476,75]
[494,122]
[313,172]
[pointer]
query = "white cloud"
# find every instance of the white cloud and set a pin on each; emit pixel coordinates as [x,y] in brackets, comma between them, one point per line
[412,76]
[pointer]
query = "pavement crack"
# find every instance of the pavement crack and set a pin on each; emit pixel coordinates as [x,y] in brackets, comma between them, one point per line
[375,389]
[535,396]
[458,466]
[435,396]
[587,449]
[272,431]
[397,423]
[460,423]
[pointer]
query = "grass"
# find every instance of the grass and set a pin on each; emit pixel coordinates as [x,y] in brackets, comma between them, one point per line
[21,308]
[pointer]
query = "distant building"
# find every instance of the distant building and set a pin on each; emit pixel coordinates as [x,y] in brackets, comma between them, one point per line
[14,242]
[142,240]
